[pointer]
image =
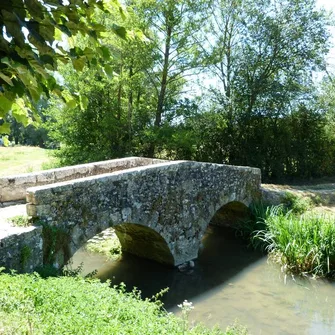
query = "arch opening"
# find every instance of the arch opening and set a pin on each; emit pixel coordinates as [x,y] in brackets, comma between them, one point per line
[144,242]
[230,214]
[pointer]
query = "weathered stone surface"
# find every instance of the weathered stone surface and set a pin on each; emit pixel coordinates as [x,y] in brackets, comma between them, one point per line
[13,188]
[159,211]
[21,248]
[272,196]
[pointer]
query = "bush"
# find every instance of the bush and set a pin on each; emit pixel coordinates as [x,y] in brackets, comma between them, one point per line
[296,203]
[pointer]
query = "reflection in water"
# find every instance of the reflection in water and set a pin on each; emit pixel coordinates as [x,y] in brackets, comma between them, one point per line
[229,282]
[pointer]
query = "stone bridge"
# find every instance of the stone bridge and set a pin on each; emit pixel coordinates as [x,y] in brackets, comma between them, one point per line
[160,211]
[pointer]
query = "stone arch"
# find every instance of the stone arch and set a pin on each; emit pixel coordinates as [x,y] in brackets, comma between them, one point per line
[230,213]
[136,239]
[144,242]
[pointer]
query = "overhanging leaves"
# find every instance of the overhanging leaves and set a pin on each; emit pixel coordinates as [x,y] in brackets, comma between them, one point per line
[32,41]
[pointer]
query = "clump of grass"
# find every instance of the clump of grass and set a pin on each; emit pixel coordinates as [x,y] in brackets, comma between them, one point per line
[296,203]
[29,169]
[53,163]
[247,228]
[20,221]
[74,305]
[304,244]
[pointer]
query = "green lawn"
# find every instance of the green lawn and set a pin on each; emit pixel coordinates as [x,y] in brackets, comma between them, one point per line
[21,159]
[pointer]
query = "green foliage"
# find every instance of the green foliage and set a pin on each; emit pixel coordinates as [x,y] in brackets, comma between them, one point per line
[236,328]
[296,203]
[32,42]
[64,305]
[20,221]
[264,109]
[247,228]
[262,58]
[135,112]
[113,111]
[304,244]
[52,164]
[108,246]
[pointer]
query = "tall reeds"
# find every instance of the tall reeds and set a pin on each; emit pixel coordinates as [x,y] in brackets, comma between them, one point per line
[303,243]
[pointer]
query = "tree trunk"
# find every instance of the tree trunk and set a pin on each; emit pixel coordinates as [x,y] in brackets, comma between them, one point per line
[163,86]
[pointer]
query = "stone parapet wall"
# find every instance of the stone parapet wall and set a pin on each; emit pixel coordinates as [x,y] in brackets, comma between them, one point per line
[21,249]
[13,188]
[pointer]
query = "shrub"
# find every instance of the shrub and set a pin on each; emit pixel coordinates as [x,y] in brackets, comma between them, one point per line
[296,203]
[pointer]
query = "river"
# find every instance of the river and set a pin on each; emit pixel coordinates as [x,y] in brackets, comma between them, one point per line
[229,282]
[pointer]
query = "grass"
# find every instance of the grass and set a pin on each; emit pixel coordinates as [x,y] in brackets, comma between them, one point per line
[24,159]
[74,305]
[302,243]
[106,243]
[20,221]
[296,203]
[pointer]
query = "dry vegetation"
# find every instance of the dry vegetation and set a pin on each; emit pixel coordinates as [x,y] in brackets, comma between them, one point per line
[24,159]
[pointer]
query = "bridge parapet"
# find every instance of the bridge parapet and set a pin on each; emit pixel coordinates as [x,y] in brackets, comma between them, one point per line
[13,188]
[159,211]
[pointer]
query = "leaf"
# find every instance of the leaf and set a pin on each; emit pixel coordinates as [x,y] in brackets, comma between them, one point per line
[79,63]
[5,128]
[48,31]
[6,79]
[70,101]
[121,11]
[35,8]
[13,27]
[109,71]
[58,35]
[120,31]
[47,59]
[71,104]
[5,60]
[20,112]
[105,53]
[5,104]
[35,94]
[83,102]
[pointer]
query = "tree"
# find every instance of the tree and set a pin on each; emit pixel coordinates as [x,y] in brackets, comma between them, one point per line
[32,42]
[133,112]
[117,109]
[171,25]
[262,54]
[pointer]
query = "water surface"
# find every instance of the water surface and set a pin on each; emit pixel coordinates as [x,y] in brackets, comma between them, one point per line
[229,282]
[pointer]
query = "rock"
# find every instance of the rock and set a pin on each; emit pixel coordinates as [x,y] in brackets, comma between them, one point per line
[186,267]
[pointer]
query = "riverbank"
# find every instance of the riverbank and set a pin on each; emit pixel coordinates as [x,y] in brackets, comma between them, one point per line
[74,305]
[302,243]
